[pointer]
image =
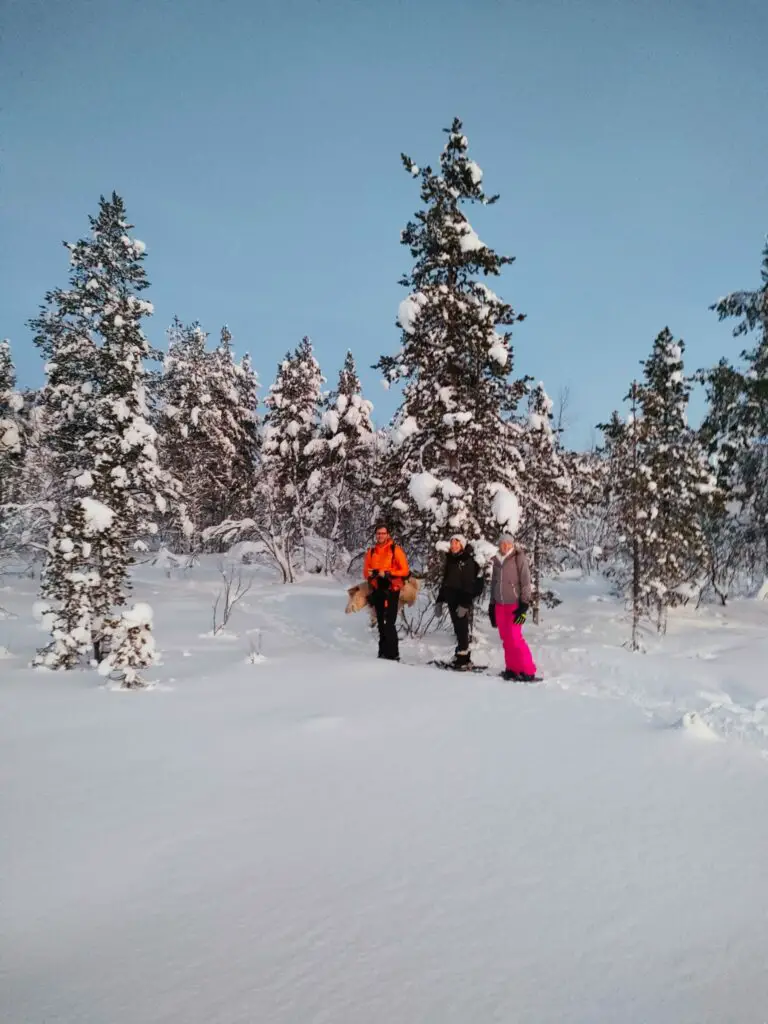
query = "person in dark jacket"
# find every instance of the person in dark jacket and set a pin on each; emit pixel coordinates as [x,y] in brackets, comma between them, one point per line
[462,583]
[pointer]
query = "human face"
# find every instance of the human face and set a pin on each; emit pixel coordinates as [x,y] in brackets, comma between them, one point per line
[505,547]
[456,546]
[382,535]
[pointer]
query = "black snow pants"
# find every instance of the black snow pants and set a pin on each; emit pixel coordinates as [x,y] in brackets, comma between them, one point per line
[386,603]
[460,627]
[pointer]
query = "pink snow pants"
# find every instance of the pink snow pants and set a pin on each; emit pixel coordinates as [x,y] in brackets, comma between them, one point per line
[517,653]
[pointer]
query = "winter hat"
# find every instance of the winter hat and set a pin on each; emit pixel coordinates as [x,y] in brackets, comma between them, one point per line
[506,538]
[460,538]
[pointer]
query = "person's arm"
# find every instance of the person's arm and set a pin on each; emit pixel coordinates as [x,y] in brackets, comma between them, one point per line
[441,590]
[400,564]
[479,580]
[367,565]
[526,589]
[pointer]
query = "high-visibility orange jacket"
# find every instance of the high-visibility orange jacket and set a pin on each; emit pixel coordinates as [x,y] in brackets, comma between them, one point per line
[386,558]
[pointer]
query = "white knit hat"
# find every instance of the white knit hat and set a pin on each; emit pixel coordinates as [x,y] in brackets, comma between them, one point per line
[506,538]
[460,538]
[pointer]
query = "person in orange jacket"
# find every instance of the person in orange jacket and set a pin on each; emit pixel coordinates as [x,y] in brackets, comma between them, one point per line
[386,570]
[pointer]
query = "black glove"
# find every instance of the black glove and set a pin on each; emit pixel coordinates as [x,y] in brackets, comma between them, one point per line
[522,611]
[439,609]
[384,581]
[492,613]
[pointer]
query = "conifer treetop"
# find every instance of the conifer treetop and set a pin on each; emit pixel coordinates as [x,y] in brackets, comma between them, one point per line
[106,271]
[750,306]
[7,370]
[346,411]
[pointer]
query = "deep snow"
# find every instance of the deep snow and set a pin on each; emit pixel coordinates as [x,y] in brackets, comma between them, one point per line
[286,830]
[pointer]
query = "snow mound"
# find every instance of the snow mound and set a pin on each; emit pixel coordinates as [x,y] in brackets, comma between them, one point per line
[140,614]
[694,724]
[506,508]
[4,653]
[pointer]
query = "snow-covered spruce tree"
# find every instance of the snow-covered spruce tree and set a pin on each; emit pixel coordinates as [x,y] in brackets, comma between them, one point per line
[96,422]
[132,647]
[339,483]
[11,436]
[731,526]
[457,462]
[590,525]
[209,429]
[183,442]
[630,495]
[736,426]
[38,487]
[282,516]
[684,483]
[548,490]
[236,387]
[660,484]
[72,584]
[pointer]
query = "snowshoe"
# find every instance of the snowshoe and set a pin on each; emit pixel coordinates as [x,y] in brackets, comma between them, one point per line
[451,666]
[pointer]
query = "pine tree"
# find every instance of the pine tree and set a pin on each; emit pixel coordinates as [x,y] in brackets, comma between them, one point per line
[339,482]
[456,466]
[548,490]
[736,426]
[96,423]
[290,425]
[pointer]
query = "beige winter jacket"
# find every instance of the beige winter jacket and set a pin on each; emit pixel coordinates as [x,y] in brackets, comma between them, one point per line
[511,578]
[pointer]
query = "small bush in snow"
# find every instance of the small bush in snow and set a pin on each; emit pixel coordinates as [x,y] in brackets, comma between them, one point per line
[132,647]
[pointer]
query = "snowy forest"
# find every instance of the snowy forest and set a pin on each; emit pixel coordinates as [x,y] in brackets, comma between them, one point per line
[131,453]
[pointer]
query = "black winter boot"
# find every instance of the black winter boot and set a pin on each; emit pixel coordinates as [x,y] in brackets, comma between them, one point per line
[462,661]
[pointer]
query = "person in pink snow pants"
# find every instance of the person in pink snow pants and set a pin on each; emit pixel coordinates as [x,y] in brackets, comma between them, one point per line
[511,596]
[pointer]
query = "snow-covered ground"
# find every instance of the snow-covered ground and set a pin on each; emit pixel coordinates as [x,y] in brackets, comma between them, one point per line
[314,837]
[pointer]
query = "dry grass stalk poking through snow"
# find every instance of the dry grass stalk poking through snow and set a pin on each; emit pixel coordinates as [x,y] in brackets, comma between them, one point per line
[233,590]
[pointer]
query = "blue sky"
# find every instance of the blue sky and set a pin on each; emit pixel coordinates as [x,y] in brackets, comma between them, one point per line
[257,145]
